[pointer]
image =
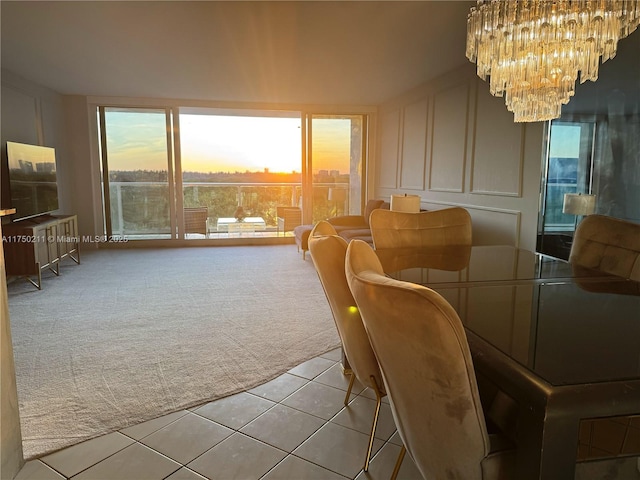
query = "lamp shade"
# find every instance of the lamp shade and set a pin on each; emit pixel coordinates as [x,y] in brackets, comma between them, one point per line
[337,194]
[579,204]
[405,203]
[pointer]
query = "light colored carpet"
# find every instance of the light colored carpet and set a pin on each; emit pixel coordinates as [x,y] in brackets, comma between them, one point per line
[133,334]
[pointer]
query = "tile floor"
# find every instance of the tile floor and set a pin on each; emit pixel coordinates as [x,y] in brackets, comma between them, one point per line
[292,428]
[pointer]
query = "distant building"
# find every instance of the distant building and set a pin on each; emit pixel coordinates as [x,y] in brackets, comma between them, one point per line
[26,166]
[334,173]
[323,173]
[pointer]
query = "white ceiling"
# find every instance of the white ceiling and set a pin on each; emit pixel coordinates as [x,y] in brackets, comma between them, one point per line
[359,53]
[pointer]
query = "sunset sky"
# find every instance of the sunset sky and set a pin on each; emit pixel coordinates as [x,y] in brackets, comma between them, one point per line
[216,143]
[211,143]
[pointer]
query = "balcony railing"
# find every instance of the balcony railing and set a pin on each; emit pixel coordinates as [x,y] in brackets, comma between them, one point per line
[142,209]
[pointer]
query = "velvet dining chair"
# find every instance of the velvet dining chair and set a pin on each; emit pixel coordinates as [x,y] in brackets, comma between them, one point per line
[428,374]
[609,245]
[422,239]
[328,253]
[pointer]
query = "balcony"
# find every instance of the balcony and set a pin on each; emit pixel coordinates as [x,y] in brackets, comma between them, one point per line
[141,210]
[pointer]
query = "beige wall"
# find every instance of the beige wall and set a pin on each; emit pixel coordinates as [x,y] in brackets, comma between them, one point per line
[11,437]
[30,114]
[86,171]
[34,114]
[452,143]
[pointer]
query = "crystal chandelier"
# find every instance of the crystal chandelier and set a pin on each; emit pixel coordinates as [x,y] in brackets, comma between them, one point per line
[533,49]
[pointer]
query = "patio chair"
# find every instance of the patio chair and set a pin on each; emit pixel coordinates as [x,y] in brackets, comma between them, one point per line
[196,220]
[288,218]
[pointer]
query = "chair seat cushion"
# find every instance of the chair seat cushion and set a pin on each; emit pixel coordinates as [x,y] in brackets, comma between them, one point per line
[359,233]
[301,233]
[343,228]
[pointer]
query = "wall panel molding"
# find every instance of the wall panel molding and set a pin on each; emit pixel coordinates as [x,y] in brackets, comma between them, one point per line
[476,157]
[21,113]
[414,145]
[389,149]
[491,225]
[497,160]
[447,156]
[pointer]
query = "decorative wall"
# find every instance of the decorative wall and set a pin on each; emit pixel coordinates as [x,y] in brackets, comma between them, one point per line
[453,144]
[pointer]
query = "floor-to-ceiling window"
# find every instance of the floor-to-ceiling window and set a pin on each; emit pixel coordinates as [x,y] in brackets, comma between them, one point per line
[240,159]
[568,169]
[137,172]
[336,164]
[163,167]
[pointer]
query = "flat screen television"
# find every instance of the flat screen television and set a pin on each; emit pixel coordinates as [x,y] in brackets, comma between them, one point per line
[33,189]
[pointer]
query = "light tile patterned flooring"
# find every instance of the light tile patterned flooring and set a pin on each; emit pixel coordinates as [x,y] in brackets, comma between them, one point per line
[294,427]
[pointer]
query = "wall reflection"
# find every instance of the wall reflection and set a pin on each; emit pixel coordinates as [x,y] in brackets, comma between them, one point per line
[594,147]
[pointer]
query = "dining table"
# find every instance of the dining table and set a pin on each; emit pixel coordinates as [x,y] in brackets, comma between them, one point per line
[563,342]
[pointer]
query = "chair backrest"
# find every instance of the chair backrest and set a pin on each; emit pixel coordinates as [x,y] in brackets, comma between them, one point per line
[196,220]
[449,226]
[288,218]
[608,244]
[404,240]
[426,365]
[328,252]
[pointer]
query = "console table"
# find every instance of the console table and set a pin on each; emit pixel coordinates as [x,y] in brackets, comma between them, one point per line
[38,243]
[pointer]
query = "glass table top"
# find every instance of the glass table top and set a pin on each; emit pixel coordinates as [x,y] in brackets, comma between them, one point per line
[462,264]
[567,325]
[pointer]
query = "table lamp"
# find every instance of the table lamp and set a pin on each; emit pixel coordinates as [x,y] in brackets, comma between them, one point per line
[405,203]
[578,204]
[338,196]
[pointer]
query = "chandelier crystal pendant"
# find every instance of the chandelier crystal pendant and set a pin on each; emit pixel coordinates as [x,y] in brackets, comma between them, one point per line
[533,49]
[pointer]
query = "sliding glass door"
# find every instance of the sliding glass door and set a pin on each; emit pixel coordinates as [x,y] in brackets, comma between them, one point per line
[247,160]
[336,160]
[185,173]
[567,170]
[137,172]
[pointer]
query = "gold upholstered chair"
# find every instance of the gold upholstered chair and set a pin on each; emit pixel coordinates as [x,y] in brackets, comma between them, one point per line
[428,373]
[328,253]
[405,240]
[609,245]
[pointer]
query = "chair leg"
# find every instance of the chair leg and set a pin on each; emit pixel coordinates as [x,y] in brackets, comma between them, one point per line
[351,382]
[396,469]
[376,414]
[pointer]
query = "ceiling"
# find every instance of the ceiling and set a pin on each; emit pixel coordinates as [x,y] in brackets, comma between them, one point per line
[311,52]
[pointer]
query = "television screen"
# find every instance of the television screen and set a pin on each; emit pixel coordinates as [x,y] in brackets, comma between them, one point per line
[32,179]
